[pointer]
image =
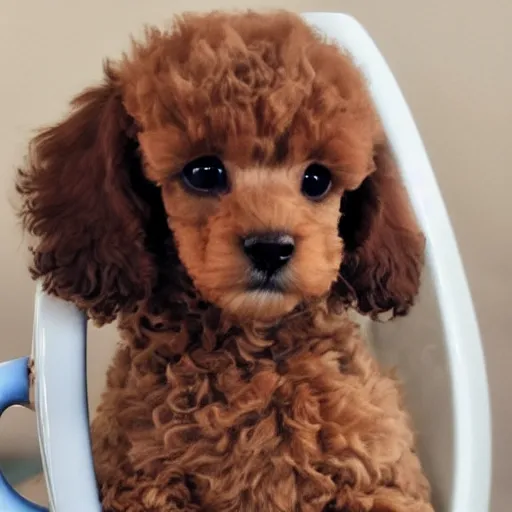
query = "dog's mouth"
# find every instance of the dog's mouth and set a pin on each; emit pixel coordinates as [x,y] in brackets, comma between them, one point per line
[267,282]
[262,297]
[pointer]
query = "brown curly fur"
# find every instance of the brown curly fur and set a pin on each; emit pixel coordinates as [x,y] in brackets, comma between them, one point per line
[222,399]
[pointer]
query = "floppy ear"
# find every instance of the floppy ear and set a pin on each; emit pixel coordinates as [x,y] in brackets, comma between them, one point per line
[383,245]
[87,204]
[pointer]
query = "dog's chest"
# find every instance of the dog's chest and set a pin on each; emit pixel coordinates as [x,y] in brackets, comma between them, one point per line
[248,435]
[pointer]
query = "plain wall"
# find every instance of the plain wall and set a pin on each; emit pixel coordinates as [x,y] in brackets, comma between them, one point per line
[452,60]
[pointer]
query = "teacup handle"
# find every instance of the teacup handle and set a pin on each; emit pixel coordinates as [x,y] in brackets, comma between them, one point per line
[14,390]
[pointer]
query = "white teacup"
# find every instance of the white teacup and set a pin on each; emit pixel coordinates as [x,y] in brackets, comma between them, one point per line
[57,372]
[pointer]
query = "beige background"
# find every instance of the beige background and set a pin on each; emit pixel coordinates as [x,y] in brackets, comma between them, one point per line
[452,59]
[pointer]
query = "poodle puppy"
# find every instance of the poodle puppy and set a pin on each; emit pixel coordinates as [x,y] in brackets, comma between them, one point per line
[227,195]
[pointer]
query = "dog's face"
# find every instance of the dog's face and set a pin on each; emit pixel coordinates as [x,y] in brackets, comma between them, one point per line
[269,162]
[256,240]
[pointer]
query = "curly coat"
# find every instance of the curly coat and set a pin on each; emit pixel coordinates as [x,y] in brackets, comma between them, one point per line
[221,399]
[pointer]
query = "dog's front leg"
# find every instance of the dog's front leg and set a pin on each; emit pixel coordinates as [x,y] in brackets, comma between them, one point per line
[139,493]
[383,500]
[405,492]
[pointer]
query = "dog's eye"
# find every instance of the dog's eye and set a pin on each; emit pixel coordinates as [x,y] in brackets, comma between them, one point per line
[205,175]
[316,181]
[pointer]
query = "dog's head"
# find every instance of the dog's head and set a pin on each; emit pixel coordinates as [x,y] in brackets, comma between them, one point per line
[241,150]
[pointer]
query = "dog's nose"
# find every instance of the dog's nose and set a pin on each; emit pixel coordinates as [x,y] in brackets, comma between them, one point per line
[269,252]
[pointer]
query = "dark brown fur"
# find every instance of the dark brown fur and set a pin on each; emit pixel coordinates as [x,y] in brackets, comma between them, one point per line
[220,399]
